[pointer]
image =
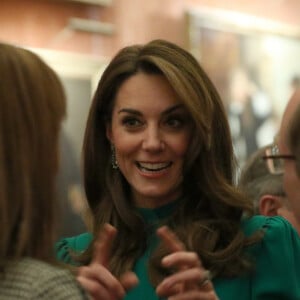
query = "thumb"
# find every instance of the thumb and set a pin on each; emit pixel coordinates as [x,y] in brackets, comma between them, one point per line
[129,280]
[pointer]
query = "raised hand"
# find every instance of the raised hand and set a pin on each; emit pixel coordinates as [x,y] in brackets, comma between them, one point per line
[96,278]
[190,280]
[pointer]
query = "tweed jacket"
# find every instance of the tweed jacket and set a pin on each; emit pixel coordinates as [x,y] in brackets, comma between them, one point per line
[33,279]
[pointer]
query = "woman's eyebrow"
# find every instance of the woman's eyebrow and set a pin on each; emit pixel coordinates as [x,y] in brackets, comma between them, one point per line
[130,111]
[136,112]
[171,109]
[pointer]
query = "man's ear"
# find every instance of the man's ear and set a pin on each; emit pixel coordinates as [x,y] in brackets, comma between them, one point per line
[269,205]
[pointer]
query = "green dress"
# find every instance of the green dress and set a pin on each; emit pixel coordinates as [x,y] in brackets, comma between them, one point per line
[277,260]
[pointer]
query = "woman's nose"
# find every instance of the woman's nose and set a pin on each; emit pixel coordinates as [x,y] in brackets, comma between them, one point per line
[152,140]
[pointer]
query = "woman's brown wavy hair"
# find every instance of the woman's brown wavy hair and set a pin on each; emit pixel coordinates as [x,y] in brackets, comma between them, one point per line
[208,217]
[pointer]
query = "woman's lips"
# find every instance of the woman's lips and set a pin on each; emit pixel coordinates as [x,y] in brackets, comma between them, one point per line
[153,167]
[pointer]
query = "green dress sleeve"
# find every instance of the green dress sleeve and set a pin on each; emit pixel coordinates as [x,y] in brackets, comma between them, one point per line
[277,273]
[276,258]
[76,244]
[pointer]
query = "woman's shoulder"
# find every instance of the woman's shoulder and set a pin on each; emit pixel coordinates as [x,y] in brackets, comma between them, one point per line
[31,267]
[53,282]
[35,279]
[40,270]
[73,244]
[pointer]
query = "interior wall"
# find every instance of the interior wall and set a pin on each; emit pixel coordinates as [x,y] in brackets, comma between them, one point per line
[277,10]
[43,23]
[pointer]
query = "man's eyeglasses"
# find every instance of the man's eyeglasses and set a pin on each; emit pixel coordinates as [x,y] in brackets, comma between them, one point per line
[275,160]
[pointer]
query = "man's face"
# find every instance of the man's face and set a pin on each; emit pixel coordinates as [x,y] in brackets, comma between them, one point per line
[291,181]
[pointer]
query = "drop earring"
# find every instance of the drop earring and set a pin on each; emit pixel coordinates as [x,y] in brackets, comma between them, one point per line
[114,161]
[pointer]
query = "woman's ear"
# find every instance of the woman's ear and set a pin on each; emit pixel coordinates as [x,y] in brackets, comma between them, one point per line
[108,132]
[269,205]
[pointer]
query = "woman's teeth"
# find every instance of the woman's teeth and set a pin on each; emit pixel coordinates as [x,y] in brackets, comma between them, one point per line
[153,167]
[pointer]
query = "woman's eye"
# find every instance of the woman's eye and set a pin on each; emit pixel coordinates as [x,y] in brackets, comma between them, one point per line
[175,122]
[131,122]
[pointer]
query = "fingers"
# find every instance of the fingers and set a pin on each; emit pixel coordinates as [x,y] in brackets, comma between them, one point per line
[207,286]
[195,275]
[96,278]
[170,239]
[102,247]
[95,290]
[177,247]
[174,292]
[194,294]
[192,277]
[180,259]
[191,280]
[129,280]
[90,286]
[99,282]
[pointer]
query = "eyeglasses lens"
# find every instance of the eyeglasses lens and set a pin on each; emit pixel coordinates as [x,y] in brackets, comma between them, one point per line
[275,165]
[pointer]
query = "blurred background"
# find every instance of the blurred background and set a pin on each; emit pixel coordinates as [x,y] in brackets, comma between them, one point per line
[250,49]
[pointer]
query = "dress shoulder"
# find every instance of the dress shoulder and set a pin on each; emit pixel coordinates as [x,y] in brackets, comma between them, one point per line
[276,263]
[274,228]
[253,224]
[277,260]
[75,244]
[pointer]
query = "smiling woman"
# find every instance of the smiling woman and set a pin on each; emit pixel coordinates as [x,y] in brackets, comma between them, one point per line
[150,132]
[159,168]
